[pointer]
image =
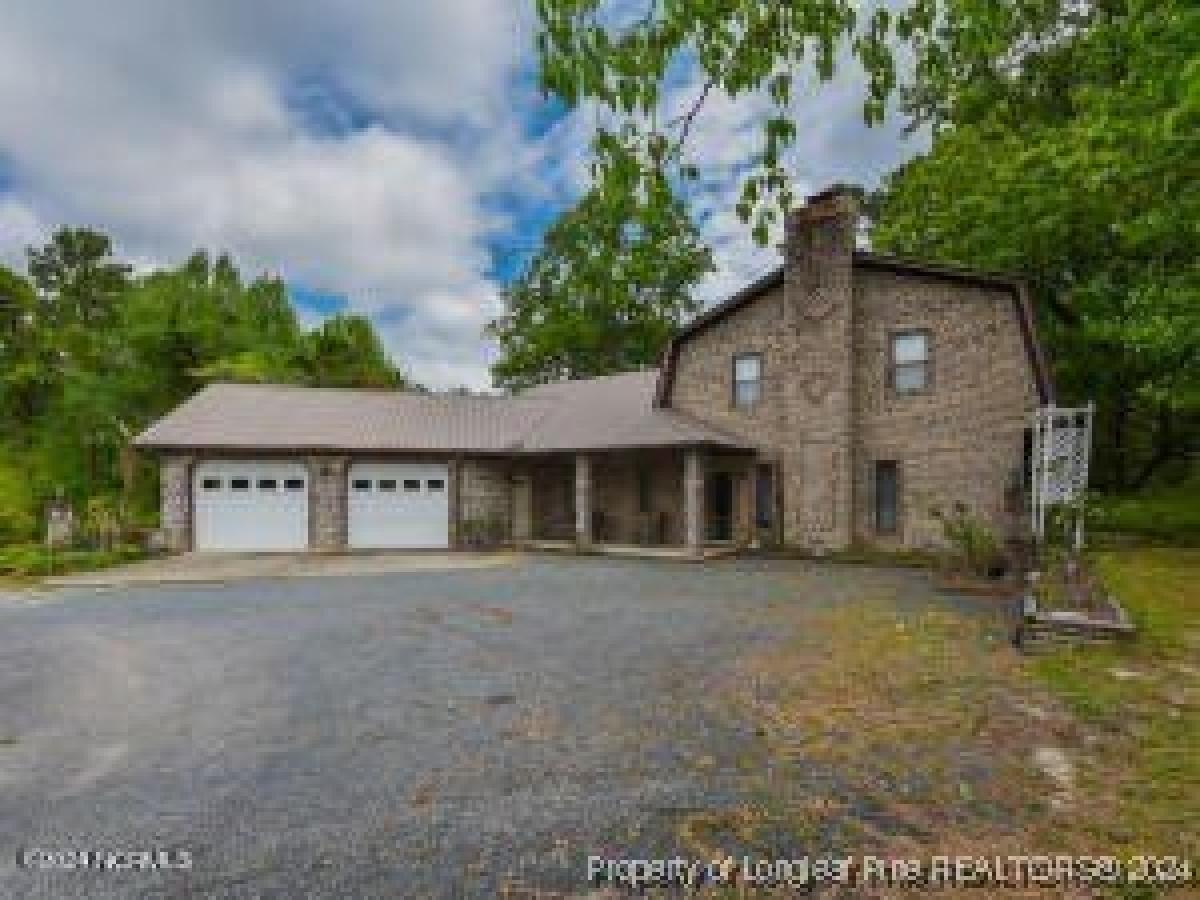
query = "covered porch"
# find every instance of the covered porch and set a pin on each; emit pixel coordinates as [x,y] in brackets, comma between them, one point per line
[680,502]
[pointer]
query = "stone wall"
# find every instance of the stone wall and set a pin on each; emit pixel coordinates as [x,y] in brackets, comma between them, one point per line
[826,412]
[959,441]
[802,422]
[484,499]
[327,502]
[175,497]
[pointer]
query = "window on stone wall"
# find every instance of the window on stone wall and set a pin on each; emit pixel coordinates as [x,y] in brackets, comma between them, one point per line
[887,496]
[909,369]
[747,380]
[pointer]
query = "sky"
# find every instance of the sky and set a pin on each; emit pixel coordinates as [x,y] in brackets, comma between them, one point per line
[386,157]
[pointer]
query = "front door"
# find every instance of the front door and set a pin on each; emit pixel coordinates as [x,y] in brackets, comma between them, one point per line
[719,506]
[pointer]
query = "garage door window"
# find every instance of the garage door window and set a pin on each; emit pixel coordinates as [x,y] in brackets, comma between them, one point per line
[268,484]
[412,484]
[435,484]
[294,484]
[387,484]
[212,484]
[239,484]
[362,484]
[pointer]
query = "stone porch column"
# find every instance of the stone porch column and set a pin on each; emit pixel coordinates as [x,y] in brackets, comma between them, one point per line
[175,484]
[743,504]
[583,502]
[327,503]
[693,502]
[454,500]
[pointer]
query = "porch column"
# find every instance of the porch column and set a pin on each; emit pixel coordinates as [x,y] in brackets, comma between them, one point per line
[743,506]
[583,501]
[693,502]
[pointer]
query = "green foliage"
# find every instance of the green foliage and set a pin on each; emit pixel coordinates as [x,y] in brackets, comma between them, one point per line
[594,50]
[101,521]
[1169,514]
[90,355]
[610,286]
[1066,149]
[35,560]
[976,547]
[19,513]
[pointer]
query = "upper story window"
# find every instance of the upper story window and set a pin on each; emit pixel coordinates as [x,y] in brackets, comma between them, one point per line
[909,368]
[747,380]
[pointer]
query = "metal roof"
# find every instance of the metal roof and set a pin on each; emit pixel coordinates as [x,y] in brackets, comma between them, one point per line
[594,414]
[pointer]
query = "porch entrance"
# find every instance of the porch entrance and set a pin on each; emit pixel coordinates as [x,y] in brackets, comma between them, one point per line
[718,504]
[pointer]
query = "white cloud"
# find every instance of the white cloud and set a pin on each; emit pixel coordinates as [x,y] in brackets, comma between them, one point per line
[174,126]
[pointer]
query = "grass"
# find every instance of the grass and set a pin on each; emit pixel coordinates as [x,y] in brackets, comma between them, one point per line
[1144,697]
[26,561]
[925,733]
[1165,514]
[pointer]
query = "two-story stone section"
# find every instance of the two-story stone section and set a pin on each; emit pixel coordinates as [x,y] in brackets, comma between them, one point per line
[839,400]
[874,390]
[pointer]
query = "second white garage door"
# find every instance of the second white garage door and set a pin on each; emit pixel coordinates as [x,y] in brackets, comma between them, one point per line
[398,506]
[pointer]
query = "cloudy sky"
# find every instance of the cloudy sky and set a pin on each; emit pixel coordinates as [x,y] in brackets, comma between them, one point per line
[390,157]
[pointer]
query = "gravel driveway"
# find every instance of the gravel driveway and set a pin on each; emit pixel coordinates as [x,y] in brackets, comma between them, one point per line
[424,734]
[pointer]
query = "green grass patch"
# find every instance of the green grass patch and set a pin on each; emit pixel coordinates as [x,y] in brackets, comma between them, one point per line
[21,561]
[1165,514]
[1144,696]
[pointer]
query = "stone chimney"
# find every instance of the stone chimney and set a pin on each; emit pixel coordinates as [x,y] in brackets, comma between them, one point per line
[819,316]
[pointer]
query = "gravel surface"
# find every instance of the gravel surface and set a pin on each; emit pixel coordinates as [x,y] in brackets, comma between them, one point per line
[430,734]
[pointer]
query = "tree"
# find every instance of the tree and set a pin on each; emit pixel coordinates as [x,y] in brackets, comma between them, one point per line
[346,352]
[610,285]
[1077,166]
[77,277]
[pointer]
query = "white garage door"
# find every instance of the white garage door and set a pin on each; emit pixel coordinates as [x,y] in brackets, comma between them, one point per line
[398,505]
[250,505]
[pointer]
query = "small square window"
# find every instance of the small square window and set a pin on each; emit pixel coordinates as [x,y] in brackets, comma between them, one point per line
[211,484]
[435,484]
[387,484]
[239,484]
[362,484]
[294,484]
[412,484]
[747,380]
[909,365]
[268,484]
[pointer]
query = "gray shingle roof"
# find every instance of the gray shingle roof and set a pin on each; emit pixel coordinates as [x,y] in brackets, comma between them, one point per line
[593,414]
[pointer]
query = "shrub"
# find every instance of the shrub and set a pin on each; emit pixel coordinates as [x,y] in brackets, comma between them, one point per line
[102,522]
[19,519]
[975,546]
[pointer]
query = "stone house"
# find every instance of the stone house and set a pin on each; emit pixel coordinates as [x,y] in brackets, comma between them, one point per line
[839,400]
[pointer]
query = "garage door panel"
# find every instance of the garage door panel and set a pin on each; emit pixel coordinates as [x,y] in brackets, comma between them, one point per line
[398,506]
[250,505]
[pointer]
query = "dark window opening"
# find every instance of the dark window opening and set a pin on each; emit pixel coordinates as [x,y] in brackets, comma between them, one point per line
[643,490]
[747,380]
[412,484]
[887,496]
[387,484]
[212,484]
[436,484]
[239,484]
[294,484]
[909,372]
[362,484]
[268,484]
[764,497]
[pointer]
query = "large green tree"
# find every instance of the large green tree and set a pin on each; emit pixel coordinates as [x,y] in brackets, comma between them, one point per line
[1075,158]
[612,282]
[90,354]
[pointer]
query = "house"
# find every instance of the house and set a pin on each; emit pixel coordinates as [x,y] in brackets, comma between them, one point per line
[840,399]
